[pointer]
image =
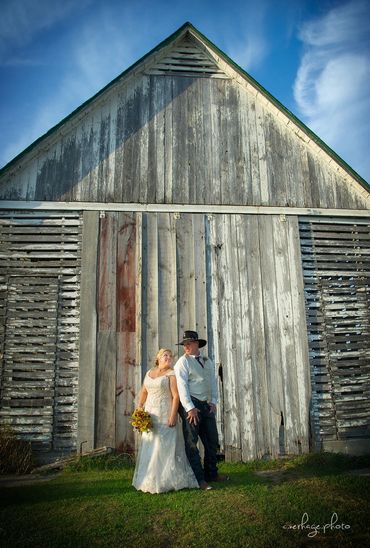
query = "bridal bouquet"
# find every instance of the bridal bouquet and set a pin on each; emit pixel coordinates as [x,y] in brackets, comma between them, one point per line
[141,420]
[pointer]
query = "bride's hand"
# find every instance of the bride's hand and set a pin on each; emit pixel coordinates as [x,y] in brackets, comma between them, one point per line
[172,420]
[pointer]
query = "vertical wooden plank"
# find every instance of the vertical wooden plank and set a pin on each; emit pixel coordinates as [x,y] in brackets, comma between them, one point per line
[134,141]
[180,158]
[273,165]
[111,149]
[106,388]
[253,146]
[104,140]
[244,163]
[78,167]
[307,196]
[222,152]
[143,142]
[150,288]
[296,182]
[232,191]
[126,327]
[88,329]
[28,179]
[274,377]
[185,273]
[288,356]
[200,295]
[192,145]
[92,194]
[261,143]
[226,271]
[322,183]
[332,190]
[205,187]
[257,336]
[120,130]
[300,336]
[213,323]
[214,193]
[290,172]
[140,292]
[312,178]
[243,340]
[156,139]
[167,287]
[86,157]
[107,343]
[130,156]
[168,144]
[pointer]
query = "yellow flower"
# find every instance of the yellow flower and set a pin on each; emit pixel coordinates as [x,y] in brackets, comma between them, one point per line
[141,420]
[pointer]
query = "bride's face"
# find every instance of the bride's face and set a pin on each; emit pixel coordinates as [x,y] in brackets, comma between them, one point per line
[165,360]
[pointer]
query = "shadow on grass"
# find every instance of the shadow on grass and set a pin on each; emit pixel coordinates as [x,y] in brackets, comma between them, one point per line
[60,489]
[33,494]
[82,485]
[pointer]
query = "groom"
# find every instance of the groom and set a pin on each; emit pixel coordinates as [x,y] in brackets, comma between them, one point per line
[197,385]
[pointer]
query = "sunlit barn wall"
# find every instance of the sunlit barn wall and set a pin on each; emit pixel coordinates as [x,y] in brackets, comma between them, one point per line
[211,139]
[163,139]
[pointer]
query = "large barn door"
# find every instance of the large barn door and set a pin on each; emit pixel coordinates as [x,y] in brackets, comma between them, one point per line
[39,302]
[336,261]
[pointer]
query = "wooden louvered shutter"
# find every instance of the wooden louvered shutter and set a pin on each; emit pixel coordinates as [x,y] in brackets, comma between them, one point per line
[39,299]
[336,264]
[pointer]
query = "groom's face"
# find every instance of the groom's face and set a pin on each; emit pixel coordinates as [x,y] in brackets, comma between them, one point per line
[191,347]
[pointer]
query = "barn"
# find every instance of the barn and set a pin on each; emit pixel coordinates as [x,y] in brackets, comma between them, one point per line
[184,196]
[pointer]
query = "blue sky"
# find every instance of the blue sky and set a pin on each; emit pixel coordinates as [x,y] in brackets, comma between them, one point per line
[312,55]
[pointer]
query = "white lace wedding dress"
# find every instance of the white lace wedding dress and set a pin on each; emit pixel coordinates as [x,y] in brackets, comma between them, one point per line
[161,463]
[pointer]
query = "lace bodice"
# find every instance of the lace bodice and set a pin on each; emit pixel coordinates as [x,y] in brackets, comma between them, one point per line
[159,399]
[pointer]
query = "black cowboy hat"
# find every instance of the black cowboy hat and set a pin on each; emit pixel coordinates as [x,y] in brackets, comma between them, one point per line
[192,336]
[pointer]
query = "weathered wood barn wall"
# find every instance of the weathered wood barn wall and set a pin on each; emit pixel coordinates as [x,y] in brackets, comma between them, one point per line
[184,196]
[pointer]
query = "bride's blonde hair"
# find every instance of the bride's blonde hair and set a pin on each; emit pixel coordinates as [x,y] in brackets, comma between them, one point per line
[160,354]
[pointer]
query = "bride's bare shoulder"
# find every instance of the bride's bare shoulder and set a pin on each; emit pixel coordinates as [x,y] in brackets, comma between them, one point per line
[170,373]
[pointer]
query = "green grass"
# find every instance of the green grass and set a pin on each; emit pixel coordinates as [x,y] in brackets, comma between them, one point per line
[93,504]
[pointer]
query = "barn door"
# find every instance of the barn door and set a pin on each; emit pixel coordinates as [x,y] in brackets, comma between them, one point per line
[39,302]
[336,261]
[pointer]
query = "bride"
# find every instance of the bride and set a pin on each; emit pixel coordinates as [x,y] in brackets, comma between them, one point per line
[162,464]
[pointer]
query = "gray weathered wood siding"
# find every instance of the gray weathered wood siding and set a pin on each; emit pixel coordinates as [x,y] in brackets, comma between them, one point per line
[108,377]
[336,265]
[40,256]
[183,127]
[228,277]
[171,139]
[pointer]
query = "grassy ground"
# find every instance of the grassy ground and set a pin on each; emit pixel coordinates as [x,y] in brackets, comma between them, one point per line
[265,503]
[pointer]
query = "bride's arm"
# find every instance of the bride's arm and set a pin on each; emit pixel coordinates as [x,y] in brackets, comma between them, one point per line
[142,397]
[175,401]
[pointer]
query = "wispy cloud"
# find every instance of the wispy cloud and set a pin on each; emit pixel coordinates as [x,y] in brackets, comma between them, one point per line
[333,81]
[22,20]
[249,46]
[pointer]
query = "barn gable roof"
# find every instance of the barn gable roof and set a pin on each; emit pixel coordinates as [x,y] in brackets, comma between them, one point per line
[188,52]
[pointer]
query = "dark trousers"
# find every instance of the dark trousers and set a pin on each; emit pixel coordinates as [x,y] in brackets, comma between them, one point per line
[206,430]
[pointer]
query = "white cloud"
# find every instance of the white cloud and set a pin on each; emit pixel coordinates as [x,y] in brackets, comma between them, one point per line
[332,83]
[22,20]
[249,45]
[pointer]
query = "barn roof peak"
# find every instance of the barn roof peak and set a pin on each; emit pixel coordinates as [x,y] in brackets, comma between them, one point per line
[207,61]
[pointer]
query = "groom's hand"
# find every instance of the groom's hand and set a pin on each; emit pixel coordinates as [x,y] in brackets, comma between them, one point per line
[192,416]
[212,408]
